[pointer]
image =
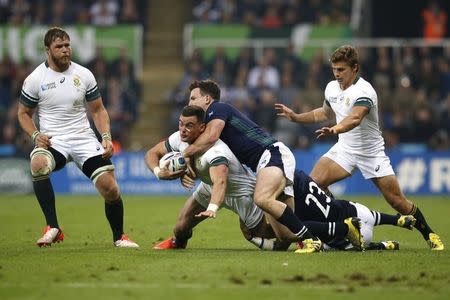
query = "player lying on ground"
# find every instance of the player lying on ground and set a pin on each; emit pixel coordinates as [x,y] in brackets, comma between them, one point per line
[237,195]
[328,218]
[231,184]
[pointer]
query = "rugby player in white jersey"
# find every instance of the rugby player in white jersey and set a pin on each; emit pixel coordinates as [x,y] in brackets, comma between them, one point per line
[62,92]
[223,177]
[224,183]
[353,102]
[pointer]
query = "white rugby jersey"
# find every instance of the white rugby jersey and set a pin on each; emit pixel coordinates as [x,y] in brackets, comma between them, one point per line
[241,181]
[60,98]
[365,138]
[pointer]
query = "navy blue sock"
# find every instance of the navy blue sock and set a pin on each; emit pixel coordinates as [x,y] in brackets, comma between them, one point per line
[291,221]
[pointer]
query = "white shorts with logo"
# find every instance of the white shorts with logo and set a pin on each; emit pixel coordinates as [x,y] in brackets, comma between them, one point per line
[77,148]
[286,161]
[244,206]
[374,166]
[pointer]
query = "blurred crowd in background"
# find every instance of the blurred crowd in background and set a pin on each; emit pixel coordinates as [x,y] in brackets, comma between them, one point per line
[116,79]
[413,84]
[413,92]
[413,87]
[272,14]
[64,12]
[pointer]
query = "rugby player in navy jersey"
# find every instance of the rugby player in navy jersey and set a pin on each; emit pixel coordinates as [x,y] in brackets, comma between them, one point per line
[272,161]
[316,209]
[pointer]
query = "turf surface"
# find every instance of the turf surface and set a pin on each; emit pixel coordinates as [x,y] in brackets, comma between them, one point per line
[218,264]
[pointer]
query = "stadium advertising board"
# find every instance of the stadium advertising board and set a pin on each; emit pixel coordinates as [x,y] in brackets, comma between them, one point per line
[418,174]
[26,42]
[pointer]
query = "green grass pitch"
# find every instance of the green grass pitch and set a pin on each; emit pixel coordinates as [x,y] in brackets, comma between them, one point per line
[218,264]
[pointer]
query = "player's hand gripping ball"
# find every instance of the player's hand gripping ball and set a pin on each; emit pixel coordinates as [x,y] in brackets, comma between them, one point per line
[174,161]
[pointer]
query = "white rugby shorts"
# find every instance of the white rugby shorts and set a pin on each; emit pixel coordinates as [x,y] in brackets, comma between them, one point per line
[77,148]
[374,166]
[244,206]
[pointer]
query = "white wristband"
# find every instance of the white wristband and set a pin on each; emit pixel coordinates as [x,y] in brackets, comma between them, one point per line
[212,207]
[156,171]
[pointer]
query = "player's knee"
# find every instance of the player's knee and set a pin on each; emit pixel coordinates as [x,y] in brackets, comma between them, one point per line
[42,163]
[111,193]
[261,198]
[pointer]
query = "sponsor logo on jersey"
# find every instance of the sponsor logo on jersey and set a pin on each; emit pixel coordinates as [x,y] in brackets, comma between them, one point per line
[332,99]
[210,114]
[62,80]
[48,86]
[347,101]
[377,168]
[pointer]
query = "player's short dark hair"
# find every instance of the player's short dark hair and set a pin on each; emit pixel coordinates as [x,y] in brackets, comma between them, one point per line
[207,87]
[194,110]
[347,54]
[53,34]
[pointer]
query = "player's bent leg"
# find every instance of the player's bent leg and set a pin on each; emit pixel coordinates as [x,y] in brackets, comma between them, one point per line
[263,236]
[270,182]
[390,189]
[183,228]
[101,173]
[42,163]
[186,222]
[326,172]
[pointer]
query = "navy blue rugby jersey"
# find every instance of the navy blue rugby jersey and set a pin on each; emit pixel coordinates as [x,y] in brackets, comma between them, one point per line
[244,137]
[312,204]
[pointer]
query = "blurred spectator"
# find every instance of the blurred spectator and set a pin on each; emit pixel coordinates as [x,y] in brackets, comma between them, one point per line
[229,11]
[20,12]
[120,109]
[60,15]
[104,12]
[206,11]
[245,60]
[423,124]
[271,17]
[435,21]
[263,75]
[128,12]
[218,57]
[265,115]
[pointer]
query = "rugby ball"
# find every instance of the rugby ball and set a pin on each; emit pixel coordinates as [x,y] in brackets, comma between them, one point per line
[174,161]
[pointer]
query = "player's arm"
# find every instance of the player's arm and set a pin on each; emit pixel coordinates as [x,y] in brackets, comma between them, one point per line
[206,139]
[25,117]
[348,123]
[317,115]
[101,120]
[219,175]
[152,158]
